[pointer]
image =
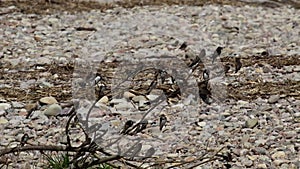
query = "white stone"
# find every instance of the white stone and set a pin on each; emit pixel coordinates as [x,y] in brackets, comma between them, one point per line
[278,155]
[48,100]
[4,106]
[3,120]
[103,100]
[53,110]
[128,95]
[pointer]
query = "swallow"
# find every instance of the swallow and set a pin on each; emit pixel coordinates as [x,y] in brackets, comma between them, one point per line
[24,139]
[216,53]
[197,60]
[183,46]
[141,126]
[204,92]
[238,64]
[226,68]
[206,74]
[205,98]
[162,121]
[127,125]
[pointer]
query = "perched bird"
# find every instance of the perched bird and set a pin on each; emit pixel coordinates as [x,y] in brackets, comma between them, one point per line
[238,64]
[128,124]
[24,139]
[216,53]
[197,59]
[205,98]
[141,126]
[183,46]
[226,68]
[204,92]
[206,74]
[162,121]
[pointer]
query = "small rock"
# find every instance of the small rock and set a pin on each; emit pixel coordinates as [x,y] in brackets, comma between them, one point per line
[262,166]
[260,142]
[278,162]
[273,98]
[117,101]
[172,155]
[260,151]
[152,97]
[251,123]
[247,162]
[128,95]
[189,159]
[53,110]
[17,105]
[201,124]
[137,99]
[278,155]
[3,120]
[241,102]
[253,157]
[48,100]
[103,100]
[290,134]
[4,106]
[226,114]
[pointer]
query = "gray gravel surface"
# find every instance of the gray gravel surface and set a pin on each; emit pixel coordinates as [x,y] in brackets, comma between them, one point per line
[263,132]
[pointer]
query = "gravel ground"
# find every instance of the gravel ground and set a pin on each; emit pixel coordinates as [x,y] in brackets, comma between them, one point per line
[256,116]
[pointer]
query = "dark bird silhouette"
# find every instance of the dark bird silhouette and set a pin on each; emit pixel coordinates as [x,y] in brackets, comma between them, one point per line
[128,124]
[205,98]
[197,59]
[24,139]
[162,121]
[226,68]
[204,92]
[141,126]
[216,53]
[238,64]
[183,46]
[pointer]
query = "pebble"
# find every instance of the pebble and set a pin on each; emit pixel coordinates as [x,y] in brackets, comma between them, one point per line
[53,43]
[53,110]
[201,124]
[278,155]
[103,100]
[262,166]
[17,105]
[273,98]
[128,95]
[246,162]
[4,106]
[137,99]
[251,123]
[48,100]
[3,120]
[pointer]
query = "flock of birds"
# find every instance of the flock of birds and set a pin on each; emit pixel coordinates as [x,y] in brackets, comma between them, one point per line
[132,128]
